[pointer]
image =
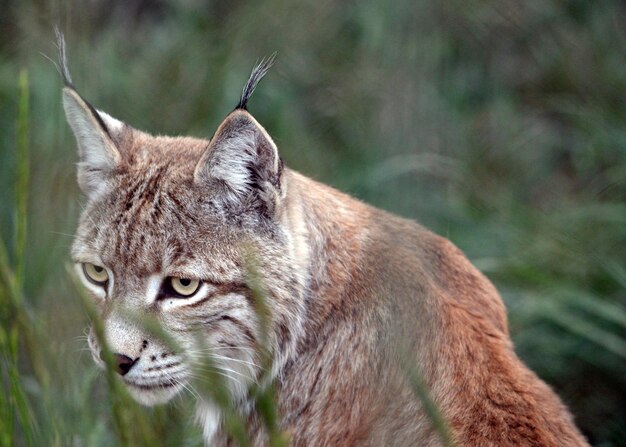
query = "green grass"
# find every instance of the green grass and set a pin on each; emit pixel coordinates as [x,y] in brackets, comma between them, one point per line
[501,125]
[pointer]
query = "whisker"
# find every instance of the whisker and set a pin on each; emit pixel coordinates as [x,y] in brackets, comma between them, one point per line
[211,348]
[211,356]
[81,350]
[185,386]
[218,368]
[223,368]
[199,377]
[80,338]
[191,390]
[231,359]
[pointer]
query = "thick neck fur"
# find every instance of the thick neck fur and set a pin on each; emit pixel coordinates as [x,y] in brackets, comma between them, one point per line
[379,289]
[333,228]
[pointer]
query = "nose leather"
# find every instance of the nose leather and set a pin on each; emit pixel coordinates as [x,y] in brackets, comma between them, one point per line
[123,363]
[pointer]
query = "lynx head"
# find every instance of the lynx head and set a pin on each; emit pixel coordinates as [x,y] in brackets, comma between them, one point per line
[167,232]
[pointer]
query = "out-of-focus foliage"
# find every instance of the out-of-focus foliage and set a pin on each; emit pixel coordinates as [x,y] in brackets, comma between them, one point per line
[500,124]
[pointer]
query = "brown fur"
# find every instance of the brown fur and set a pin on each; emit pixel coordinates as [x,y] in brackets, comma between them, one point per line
[355,294]
[381,280]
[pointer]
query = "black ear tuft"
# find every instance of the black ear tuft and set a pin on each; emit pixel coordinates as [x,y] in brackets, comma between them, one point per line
[62,67]
[255,77]
[67,77]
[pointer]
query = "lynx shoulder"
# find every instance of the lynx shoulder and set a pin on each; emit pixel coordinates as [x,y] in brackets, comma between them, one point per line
[358,300]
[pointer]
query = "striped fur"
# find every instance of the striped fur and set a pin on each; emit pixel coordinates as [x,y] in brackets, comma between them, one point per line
[354,294]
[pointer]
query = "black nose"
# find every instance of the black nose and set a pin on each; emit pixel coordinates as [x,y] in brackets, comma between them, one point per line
[123,363]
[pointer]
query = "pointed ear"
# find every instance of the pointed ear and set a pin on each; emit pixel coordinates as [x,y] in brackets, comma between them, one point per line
[243,165]
[94,132]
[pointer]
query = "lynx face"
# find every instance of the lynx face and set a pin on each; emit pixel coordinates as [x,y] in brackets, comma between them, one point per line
[168,233]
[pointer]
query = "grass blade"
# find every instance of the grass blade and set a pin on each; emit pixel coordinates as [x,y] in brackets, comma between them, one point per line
[420,389]
[23,172]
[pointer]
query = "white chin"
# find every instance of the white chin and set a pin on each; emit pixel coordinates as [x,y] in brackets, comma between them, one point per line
[153,396]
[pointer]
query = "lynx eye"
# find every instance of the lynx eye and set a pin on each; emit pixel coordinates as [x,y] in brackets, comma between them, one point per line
[95,273]
[184,286]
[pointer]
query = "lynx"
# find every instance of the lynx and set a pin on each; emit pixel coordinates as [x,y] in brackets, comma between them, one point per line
[353,294]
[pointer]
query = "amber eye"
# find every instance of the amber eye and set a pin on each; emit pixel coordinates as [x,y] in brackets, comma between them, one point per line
[95,273]
[184,286]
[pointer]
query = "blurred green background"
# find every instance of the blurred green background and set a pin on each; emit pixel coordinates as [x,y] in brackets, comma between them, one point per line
[499,124]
